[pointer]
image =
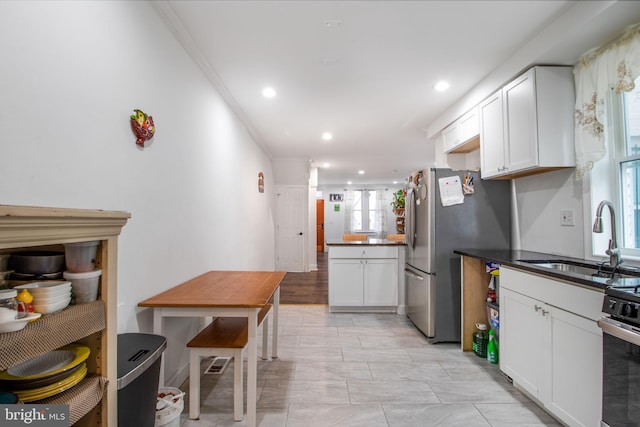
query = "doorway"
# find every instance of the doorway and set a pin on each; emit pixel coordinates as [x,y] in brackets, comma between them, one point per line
[291,224]
[320,225]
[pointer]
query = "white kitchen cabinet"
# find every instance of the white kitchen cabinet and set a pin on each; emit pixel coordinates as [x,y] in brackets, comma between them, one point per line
[551,346]
[363,278]
[462,135]
[527,126]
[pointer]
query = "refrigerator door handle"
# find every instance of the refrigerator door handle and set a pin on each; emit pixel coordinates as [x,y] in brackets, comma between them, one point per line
[411,222]
[413,275]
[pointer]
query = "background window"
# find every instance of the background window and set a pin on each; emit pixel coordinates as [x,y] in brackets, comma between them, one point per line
[626,119]
[366,214]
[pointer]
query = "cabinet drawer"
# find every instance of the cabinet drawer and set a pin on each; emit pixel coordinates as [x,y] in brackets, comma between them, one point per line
[362,252]
[575,299]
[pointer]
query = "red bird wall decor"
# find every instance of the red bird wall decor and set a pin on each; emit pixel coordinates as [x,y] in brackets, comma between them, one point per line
[142,126]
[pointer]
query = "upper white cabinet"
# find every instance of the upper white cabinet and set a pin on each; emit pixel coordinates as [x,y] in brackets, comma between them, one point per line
[527,126]
[462,135]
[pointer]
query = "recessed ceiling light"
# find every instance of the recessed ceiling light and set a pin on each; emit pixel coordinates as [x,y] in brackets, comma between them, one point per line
[441,86]
[361,172]
[395,182]
[268,92]
[327,136]
[349,182]
[325,165]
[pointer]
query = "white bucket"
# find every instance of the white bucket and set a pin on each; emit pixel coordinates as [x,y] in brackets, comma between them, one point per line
[168,409]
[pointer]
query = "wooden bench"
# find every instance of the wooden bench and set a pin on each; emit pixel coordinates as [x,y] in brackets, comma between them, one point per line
[226,337]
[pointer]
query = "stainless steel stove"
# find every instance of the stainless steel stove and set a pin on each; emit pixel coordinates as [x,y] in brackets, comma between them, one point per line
[621,354]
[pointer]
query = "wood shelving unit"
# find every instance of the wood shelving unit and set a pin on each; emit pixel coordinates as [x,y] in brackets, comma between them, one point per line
[93,400]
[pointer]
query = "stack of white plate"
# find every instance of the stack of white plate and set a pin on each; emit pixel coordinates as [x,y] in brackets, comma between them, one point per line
[48,374]
[50,296]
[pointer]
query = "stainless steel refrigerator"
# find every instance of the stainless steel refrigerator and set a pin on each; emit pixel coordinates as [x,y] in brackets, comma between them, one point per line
[434,231]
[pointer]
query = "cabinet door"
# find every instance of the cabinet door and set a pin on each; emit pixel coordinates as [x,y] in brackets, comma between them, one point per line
[450,137]
[381,282]
[492,153]
[522,346]
[469,126]
[576,369]
[346,282]
[522,129]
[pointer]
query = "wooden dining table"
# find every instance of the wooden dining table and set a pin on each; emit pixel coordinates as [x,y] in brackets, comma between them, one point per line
[229,294]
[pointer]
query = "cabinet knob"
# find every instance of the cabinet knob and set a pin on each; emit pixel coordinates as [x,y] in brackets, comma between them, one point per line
[536,307]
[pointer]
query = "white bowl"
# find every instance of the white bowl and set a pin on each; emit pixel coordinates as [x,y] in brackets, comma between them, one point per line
[48,288]
[44,300]
[17,324]
[51,308]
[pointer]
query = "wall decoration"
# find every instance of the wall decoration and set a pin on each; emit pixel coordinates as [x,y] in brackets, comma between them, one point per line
[336,197]
[261,182]
[142,126]
[336,208]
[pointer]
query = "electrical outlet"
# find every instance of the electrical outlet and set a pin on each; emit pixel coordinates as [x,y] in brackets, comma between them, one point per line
[566,217]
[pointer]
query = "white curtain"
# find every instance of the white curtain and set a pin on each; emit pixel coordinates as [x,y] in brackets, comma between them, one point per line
[381,207]
[349,221]
[616,65]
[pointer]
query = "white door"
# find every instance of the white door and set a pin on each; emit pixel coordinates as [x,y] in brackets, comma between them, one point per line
[345,282]
[492,151]
[522,138]
[291,228]
[576,366]
[381,282]
[522,338]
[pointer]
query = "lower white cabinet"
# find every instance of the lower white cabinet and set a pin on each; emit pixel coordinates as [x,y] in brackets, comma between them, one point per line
[363,277]
[551,346]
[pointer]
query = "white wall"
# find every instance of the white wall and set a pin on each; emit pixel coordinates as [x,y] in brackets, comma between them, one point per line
[539,200]
[72,72]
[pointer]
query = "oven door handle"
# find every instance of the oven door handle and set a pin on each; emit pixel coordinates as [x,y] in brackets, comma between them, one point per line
[619,330]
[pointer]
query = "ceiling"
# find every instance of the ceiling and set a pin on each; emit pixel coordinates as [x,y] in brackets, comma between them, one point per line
[365,70]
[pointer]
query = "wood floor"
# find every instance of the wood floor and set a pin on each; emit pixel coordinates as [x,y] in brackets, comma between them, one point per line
[307,288]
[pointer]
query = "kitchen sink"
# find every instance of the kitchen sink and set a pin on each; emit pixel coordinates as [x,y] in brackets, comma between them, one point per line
[569,268]
[595,270]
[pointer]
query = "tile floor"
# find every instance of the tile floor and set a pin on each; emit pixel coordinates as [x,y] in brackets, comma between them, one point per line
[337,369]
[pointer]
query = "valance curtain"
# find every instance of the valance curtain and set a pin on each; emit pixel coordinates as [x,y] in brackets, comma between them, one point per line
[616,65]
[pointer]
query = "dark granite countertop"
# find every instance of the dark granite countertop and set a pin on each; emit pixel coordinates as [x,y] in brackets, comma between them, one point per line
[517,258]
[369,242]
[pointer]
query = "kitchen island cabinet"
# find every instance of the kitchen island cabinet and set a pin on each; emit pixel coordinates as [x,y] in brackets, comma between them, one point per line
[93,400]
[364,276]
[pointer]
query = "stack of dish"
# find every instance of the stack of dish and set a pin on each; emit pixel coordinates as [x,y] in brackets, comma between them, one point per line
[48,374]
[48,297]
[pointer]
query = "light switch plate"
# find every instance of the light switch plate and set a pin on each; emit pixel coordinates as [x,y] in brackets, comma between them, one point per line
[566,217]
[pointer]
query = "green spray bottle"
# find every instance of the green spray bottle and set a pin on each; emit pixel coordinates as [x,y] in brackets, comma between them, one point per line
[492,347]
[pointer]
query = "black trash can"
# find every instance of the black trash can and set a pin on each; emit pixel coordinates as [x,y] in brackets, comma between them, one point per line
[139,357]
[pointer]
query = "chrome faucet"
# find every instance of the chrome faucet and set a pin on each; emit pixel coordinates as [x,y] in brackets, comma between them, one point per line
[613,251]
